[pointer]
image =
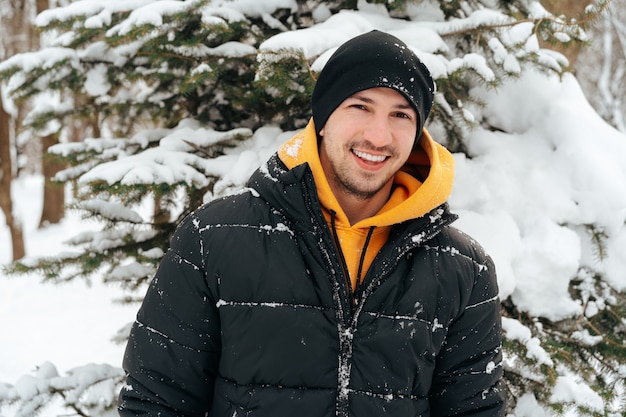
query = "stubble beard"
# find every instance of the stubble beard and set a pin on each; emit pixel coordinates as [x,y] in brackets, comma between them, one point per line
[362,188]
[350,187]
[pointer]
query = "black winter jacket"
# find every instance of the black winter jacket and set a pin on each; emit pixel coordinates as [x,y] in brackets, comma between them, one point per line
[249,315]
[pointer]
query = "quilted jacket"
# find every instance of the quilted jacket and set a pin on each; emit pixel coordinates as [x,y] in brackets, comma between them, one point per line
[251,314]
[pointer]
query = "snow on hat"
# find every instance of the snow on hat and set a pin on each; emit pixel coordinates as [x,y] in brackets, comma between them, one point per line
[373,59]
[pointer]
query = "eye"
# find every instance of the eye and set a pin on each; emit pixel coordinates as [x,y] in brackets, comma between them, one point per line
[402,115]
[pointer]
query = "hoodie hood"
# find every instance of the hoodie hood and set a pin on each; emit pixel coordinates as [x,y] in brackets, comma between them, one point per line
[424,183]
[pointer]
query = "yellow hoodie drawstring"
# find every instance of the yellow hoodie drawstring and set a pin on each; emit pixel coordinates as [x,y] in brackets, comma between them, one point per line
[351,292]
[362,260]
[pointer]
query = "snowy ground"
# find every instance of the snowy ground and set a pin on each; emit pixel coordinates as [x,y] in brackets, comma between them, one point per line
[68,325]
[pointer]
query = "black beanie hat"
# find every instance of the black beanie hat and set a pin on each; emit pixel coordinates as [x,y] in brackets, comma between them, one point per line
[374,59]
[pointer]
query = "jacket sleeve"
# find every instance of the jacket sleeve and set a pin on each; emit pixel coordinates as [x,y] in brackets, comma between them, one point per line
[468,378]
[173,350]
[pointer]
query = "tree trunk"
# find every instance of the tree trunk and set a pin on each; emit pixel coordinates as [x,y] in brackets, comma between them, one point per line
[53,208]
[41,5]
[6,177]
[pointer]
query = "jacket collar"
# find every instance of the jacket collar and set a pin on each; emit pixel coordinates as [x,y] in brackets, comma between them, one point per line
[293,192]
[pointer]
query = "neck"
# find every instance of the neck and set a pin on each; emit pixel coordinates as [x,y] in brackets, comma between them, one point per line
[358,208]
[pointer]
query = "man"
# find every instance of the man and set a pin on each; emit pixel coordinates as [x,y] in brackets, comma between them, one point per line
[334,285]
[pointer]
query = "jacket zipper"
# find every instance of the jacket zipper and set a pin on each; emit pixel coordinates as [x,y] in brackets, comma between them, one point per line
[342,259]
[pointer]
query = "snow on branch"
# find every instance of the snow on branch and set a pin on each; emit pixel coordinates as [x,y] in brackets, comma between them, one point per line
[88,389]
[111,210]
[184,155]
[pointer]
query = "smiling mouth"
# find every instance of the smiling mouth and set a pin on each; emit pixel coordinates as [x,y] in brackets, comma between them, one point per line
[368,156]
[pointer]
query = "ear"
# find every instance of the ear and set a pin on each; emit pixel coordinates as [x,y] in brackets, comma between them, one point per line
[321,134]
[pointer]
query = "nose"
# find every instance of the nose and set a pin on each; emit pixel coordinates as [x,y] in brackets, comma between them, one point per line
[377,130]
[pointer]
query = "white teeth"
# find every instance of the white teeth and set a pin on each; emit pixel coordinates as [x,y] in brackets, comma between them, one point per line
[369,157]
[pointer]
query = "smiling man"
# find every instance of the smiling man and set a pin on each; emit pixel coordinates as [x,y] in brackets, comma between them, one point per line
[335,285]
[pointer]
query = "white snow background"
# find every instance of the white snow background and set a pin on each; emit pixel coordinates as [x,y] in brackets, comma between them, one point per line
[548,166]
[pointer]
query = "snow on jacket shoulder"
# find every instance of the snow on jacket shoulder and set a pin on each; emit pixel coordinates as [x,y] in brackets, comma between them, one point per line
[249,315]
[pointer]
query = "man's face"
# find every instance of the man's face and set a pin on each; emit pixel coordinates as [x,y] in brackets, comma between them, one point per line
[365,141]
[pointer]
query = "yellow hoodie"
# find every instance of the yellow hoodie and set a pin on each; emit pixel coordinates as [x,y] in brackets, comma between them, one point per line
[410,197]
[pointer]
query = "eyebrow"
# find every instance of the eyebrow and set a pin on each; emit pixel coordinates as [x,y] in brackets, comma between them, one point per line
[370,101]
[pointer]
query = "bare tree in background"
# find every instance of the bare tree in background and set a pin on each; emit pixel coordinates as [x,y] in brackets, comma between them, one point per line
[601,69]
[6,175]
[12,40]
[17,34]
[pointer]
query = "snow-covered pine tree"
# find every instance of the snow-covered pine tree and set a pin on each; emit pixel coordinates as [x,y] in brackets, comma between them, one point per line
[186,98]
